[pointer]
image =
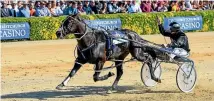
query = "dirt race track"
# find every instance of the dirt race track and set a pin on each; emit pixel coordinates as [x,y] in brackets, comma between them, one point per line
[32,70]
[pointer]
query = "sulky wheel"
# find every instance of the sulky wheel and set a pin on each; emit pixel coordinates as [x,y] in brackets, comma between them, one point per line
[186,77]
[146,76]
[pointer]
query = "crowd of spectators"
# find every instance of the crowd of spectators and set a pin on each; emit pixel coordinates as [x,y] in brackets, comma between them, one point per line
[59,8]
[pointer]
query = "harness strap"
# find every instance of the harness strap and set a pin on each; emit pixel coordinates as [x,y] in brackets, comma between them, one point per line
[86,32]
[79,63]
[87,48]
[81,52]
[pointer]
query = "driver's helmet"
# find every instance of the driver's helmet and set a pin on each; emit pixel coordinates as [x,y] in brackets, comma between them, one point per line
[174,27]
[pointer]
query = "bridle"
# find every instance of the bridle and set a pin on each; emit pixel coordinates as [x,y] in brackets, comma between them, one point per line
[87,29]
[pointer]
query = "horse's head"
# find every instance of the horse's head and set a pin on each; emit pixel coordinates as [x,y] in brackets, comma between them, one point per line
[70,25]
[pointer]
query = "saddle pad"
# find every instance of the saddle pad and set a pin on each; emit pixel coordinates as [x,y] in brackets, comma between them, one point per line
[117,37]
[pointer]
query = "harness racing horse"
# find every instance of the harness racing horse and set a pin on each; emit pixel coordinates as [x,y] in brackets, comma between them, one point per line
[91,49]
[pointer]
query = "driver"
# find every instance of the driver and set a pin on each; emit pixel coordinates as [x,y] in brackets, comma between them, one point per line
[179,41]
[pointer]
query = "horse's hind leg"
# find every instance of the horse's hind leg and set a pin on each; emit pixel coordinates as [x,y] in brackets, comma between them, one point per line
[151,64]
[119,74]
[138,54]
[99,66]
[76,67]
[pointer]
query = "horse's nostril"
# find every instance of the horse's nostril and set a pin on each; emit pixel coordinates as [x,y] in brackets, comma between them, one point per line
[58,34]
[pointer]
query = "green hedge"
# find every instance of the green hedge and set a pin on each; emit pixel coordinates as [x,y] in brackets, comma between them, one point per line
[44,28]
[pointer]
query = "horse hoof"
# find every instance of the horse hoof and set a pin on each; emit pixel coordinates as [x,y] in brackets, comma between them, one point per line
[110,91]
[111,74]
[60,87]
[159,80]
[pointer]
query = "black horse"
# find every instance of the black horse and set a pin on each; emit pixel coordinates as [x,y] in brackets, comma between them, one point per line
[92,49]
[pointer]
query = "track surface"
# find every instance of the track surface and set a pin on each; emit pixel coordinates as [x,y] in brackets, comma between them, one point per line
[32,70]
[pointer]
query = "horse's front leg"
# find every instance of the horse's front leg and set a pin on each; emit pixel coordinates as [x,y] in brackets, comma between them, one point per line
[98,67]
[76,67]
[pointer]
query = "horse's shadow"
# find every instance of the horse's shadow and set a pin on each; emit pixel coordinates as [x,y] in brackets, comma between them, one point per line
[80,91]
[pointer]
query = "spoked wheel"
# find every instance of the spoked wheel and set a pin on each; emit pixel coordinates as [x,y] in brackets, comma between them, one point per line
[186,77]
[146,75]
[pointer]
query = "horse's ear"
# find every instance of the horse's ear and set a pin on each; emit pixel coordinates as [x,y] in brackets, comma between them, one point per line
[70,15]
[78,17]
[75,15]
[70,18]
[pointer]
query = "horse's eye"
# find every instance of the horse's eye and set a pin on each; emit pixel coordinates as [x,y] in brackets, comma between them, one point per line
[71,21]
